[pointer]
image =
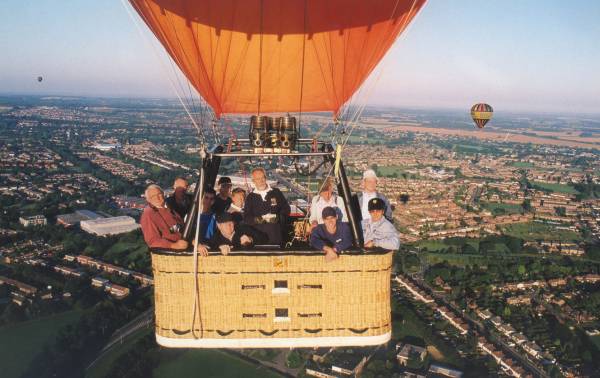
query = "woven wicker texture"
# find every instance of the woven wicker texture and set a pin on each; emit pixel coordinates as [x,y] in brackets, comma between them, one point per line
[272,296]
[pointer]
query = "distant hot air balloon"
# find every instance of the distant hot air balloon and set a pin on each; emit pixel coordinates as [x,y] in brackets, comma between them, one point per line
[481,114]
[40,79]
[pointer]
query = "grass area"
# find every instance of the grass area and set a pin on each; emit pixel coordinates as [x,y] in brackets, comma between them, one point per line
[391,171]
[264,354]
[523,164]
[125,252]
[539,231]
[455,258]
[209,363]
[558,188]
[467,148]
[410,330]
[431,245]
[358,139]
[502,208]
[439,245]
[103,366]
[20,343]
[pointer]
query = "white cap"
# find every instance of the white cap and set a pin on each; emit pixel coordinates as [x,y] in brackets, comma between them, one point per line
[369,173]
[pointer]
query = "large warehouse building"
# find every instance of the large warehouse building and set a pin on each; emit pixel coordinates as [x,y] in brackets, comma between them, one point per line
[109,226]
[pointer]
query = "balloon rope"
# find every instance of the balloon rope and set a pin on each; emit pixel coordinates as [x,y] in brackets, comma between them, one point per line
[302,72]
[215,134]
[260,58]
[197,291]
[357,115]
[164,68]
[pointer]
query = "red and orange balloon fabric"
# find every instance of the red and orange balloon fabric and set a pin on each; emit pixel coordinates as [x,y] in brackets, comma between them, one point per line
[481,114]
[263,56]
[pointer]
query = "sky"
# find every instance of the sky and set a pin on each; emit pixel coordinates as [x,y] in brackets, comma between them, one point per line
[518,55]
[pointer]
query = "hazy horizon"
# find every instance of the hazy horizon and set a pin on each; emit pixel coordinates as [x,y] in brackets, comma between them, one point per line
[516,56]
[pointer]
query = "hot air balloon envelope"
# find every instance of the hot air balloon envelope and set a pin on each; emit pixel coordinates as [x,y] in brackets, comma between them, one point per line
[262,56]
[481,114]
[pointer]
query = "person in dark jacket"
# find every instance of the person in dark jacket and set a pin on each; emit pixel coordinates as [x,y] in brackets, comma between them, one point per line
[234,236]
[266,208]
[207,216]
[332,236]
[180,201]
[223,198]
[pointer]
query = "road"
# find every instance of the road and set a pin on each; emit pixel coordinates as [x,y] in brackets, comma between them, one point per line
[145,319]
[507,349]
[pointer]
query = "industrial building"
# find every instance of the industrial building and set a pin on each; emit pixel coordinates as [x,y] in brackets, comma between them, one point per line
[109,226]
[73,219]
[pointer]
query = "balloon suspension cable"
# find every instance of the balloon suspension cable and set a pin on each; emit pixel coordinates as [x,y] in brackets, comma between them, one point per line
[164,68]
[196,306]
[216,136]
[358,113]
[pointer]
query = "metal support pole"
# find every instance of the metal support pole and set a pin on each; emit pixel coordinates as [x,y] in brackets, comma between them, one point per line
[192,214]
[344,189]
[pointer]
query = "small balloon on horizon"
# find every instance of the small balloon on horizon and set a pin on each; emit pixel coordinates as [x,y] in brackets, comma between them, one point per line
[481,114]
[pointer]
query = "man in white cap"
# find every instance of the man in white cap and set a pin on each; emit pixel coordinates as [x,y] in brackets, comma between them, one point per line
[369,192]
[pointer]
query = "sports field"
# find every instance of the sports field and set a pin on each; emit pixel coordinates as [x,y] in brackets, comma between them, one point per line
[20,343]
[539,231]
[558,188]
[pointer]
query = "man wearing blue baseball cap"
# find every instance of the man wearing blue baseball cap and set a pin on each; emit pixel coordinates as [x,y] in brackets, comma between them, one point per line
[378,232]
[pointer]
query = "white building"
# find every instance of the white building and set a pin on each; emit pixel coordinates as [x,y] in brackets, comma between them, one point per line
[109,226]
[106,146]
[35,220]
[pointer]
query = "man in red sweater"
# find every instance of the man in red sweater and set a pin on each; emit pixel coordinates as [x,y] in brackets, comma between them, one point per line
[161,226]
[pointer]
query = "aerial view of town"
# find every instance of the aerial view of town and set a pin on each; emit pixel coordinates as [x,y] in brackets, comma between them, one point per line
[300,188]
[498,273]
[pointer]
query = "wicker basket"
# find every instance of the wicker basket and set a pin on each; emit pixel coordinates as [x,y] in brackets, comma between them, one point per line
[272,300]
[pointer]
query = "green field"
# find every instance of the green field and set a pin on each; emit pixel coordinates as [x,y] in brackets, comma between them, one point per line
[432,245]
[559,188]
[467,148]
[456,258]
[539,231]
[209,363]
[392,170]
[357,139]
[523,164]
[20,343]
[103,366]
[414,328]
[439,245]
[125,253]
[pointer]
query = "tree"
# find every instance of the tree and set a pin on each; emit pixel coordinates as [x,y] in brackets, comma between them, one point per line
[294,360]
[526,205]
